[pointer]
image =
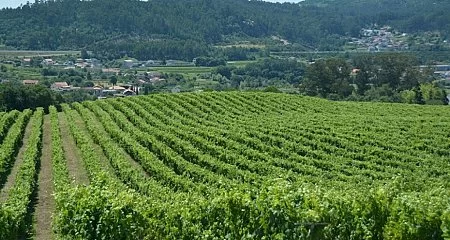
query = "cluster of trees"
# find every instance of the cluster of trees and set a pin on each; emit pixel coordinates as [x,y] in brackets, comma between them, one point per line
[387,77]
[17,96]
[20,97]
[382,77]
[220,55]
[186,29]
[261,74]
[73,77]
[209,62]
[143,49]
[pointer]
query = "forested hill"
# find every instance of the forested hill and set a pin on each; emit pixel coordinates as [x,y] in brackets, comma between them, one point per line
[405,15]
[195,24]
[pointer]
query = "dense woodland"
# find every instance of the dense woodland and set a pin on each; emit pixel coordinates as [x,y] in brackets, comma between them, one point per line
[175,29]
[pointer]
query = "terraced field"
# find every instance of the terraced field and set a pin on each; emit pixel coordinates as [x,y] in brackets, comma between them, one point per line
[226,166]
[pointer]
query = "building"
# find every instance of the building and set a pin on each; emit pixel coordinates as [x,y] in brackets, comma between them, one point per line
[128,92]
[117,88]
[48,61]
[111,70]
[442,68]
[94,91]
[26,62]
[60,86]
[30,82]
[128,63]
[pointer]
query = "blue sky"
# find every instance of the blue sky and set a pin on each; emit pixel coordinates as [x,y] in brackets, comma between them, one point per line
[11,3]
[16,3]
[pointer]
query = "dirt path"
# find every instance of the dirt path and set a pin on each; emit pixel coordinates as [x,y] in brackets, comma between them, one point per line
[45,204]
[77,172]
[18,162]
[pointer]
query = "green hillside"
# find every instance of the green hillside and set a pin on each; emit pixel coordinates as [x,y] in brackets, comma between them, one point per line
[226,166]
[187,29]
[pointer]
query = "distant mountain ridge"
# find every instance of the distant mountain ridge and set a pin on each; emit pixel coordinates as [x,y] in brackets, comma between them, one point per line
[74,24]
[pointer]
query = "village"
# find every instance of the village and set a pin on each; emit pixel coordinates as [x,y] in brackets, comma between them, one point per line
[123,78]
[376,39]
[77,79]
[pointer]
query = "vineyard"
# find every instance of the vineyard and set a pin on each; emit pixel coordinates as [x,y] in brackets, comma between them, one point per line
[225,166]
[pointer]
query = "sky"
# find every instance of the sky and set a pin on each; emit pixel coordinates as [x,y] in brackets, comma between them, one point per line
[16,3]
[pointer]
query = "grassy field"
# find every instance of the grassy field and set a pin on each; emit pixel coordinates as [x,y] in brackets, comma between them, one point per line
[240,63]
[24,73]
[19,53]
[182,70]
[192,71]
[243,45]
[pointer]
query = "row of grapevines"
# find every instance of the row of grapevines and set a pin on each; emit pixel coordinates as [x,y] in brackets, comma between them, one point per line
[85,143]
[245,149]
[116,156]
[91,212]
[186,171]
[220,141]
[254,161]
[60,173]
[59,169]
[106,208]
[278,210]
[14,210]
[366,172]
[149,162]
[383,161]
[5,122]
[182,147]
[184,131]
[381,167]
[358,229]
[11,143]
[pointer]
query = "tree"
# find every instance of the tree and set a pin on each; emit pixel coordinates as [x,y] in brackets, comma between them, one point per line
[89,76]
[408,96]
[113,80]
[84,54]
[88,84]
[364,73]
[383,93]
[225,71]
[20,97]
[328,76]
[209,62]
[432,94]
[272,89]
